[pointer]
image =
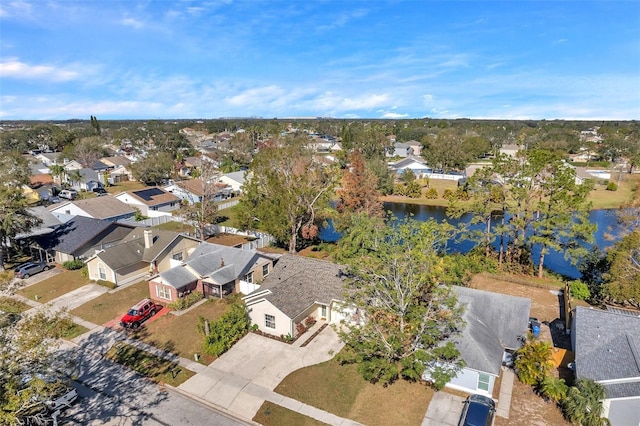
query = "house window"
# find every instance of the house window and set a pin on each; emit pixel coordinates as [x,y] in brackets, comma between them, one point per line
[249,277]
[102,272]
[323,311]
[177,256]
[269,321]
[265,270]
[163,292]
[483,382]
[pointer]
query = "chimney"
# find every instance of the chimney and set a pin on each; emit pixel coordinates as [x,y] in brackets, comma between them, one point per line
[148,238]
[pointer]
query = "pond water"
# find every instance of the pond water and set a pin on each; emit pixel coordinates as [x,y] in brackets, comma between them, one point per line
[604,219]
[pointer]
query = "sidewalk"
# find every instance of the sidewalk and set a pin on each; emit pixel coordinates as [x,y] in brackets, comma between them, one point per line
[238,382]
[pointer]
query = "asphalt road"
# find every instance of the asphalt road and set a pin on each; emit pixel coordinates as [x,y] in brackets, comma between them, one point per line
[110,394]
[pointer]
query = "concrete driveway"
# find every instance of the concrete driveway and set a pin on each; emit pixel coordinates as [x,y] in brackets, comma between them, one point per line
[75,298]
[241,379]
[444,410]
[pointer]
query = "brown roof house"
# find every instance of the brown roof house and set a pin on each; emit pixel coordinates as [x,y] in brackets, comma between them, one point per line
[299,287]
[151,199]
[213,270]
[192,190]
[142,253]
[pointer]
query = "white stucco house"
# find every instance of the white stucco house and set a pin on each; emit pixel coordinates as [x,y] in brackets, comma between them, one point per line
[150,200]
[299,287]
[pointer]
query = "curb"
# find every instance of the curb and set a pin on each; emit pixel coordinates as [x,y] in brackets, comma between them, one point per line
[211,405]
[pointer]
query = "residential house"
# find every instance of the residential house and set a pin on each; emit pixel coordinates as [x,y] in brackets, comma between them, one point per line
[235,180]
[511,149]
[299,287]
[607,351]
[78,238]
[404,149]
[495,324]
[418,167]
[142,253]
[47,224]
[106,208]
[192,191]
[119,169]
[213,270]
[48,158]
[151,199]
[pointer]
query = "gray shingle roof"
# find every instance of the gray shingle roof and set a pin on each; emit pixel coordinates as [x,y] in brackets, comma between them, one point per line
[493,322]
[74,236]
[208,259]
[104,207]
[178,277]
[132,251]
[607,347]
[297,282]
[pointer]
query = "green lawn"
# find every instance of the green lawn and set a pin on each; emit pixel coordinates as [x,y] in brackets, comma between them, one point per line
[271,414]
[125,186]
[111,305]
[599,197]
[175,227]
[179,334]
[56,286]
[603,199]
[8,304]
[339,389]
[147,364]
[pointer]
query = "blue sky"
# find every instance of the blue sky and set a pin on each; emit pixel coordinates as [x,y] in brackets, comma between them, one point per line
[342,59]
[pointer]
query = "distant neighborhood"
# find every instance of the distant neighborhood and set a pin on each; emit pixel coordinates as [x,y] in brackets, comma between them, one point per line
[195,215]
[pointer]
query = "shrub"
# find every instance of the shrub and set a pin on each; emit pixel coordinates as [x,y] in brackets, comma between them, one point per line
[579,290]
[107,284]
[583,404]
[448,194]
[611,186]
[309,321]
[553,388]
[73,264]
[84,272]
[187,301]
[431,193]
[300,328]
[224,332]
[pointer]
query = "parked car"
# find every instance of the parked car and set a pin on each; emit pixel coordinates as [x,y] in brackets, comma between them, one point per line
[139,313]
[100,190]
[30,268]
[478,411]
[69,194]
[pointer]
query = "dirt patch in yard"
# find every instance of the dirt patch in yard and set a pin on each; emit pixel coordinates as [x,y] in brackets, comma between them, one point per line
[230,240]
[527,408]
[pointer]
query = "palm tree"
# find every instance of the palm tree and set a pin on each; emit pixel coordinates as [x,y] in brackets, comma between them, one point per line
[533,361]
[583,404]
[75,177]
[554,388]
[57,171]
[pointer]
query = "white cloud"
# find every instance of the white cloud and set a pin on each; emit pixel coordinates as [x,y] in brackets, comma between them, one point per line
[13,68]
[15,9]
[131,22]
[393,115]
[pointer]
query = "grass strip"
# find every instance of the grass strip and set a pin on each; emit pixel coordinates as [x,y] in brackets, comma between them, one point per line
[148,365]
